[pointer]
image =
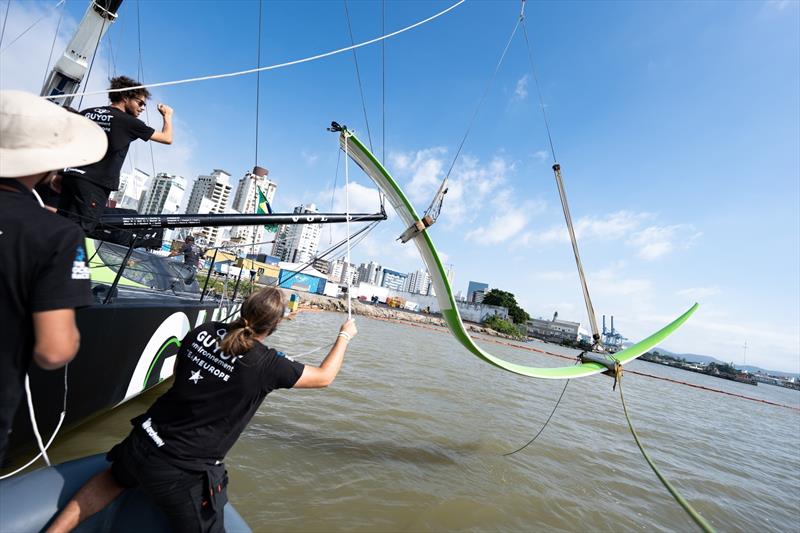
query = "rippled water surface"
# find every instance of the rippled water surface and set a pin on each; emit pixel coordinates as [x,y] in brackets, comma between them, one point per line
[411,437]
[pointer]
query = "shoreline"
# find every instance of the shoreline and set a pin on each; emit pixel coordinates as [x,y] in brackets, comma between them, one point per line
[318,302]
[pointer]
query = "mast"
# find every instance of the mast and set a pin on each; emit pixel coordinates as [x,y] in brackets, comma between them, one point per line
[69,70]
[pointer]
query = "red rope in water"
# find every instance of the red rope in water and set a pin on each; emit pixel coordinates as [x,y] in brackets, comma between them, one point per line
[628,371]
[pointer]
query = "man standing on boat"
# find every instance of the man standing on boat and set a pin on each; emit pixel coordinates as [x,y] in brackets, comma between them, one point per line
[43,271]
[192,254]
[85,190]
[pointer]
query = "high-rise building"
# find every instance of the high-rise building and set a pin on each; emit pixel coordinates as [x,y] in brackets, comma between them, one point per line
[246,201]
[393,280]
[164,195]
[131,187]
[340,270]
[210,195]
[369,273]
[475,286]
[298,243]
[418,282]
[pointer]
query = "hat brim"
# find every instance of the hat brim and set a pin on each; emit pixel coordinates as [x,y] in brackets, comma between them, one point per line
[88,145]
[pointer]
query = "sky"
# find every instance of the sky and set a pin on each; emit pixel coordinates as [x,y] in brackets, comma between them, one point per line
[676,124]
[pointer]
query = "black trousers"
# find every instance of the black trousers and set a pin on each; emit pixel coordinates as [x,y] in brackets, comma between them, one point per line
[82,201]
[192,501]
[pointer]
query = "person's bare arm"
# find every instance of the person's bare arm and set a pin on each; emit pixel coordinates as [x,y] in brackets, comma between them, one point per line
[165,135]
[319,377]
[57,338]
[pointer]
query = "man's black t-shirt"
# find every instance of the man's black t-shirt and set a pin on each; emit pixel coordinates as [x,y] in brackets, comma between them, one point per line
[191,254]
[214,395]
[42,268]
[121,129]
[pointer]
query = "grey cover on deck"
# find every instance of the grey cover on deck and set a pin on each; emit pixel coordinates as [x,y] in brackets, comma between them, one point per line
[28,502]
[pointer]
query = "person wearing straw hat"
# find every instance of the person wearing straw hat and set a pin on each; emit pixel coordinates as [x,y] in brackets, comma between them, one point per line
[85,189]
[43,271]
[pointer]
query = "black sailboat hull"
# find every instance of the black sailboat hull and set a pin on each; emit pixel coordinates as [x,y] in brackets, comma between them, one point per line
[126,348]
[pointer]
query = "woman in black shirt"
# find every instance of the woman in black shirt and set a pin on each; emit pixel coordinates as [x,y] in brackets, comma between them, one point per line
[175,451]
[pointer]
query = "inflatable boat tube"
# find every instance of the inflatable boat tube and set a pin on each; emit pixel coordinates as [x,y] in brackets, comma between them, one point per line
[28,502]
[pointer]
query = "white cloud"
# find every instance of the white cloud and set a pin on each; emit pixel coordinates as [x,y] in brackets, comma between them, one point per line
[501,228]
[541,155]
[308,157]
[521,90]
[609,227]
[426,169]
[554,275]
[362,199]
[657,241]
[698,293]
[780,5]
[472,185]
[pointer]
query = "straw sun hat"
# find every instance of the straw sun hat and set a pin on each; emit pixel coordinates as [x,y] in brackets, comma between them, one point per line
[38,136]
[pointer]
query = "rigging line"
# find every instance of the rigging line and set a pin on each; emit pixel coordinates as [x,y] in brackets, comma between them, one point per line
[347,219]
[538,90]
[112,64]
[698,519]
[5,19]
[53,45]
[258,78]
[383,86]
[561,191]
[275,66]
[383,98]
[141,77]
[482,99]
[545,422]
[333,193]
[91,63]
[258,100]
[358,76]
[26,30]
[277,283]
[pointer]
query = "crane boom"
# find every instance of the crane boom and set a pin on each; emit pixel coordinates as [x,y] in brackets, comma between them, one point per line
[69,70]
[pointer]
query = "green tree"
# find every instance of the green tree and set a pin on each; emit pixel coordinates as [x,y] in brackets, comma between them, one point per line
[507,300]
[503,326]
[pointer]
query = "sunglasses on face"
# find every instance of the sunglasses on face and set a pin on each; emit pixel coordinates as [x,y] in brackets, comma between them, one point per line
[139,101]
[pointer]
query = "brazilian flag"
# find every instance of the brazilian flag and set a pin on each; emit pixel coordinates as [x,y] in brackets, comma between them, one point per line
[263,208]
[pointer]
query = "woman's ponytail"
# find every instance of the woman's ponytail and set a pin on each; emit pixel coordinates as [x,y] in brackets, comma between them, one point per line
[261,313]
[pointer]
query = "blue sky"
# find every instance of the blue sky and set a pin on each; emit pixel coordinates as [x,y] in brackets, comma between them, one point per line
[676,125]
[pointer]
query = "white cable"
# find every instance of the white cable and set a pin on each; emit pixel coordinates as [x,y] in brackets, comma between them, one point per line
[263,69]
[38,198]
[29,28]
[43,448]
[295,356]
[347,220]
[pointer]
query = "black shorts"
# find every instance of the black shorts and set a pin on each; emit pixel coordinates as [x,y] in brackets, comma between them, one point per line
[192,500]
[82,201]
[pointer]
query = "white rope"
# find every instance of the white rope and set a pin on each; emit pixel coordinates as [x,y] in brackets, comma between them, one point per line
[29,28]
[303,354]
[43,448]
[270,67]
[347,220]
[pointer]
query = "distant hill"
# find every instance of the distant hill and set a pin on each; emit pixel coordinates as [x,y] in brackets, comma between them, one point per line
[705,359]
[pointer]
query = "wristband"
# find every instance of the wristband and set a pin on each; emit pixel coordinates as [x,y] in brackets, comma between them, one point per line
[345,336]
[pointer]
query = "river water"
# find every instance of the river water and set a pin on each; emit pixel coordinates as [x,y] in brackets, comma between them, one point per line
[411,437]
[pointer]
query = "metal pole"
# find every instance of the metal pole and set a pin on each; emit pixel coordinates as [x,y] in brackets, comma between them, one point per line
[210,269]
[589,307]
[236,287]
[120,269]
